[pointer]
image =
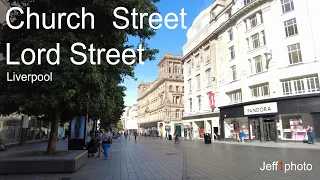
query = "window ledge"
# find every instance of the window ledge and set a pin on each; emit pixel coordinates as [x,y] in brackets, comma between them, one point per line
[232,59]
[256,27]
[233,81]
[295,64]
[285,13]
[292,36]
[198,68]
[207,63]
[263,72]
[199,90]
[209,86]
[256,49]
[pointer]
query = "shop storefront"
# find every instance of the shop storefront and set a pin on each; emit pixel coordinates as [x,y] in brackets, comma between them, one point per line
[10,128]
[277,119]
[196,126]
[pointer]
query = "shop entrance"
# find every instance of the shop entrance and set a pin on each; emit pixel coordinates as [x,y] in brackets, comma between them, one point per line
[263,129]
[269,130]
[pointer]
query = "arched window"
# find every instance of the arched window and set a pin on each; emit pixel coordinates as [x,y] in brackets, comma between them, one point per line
[177,113]
[170,88]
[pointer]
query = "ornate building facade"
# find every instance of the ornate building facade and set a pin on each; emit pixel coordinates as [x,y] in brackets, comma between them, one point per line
[264,69]
[160,103]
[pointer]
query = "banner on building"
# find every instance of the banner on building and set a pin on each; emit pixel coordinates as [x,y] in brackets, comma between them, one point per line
[212,101]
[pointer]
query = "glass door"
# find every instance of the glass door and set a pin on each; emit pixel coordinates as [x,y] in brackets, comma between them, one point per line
[255,129]
[269,130]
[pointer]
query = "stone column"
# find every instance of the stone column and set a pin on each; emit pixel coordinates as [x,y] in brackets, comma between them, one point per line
[261,39]
[259,20]
[248,24]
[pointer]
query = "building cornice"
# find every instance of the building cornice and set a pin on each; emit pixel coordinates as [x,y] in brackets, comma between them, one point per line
[157,84]
[171,57]
[225,25]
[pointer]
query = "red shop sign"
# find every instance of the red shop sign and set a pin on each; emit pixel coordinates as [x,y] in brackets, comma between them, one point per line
[212,101]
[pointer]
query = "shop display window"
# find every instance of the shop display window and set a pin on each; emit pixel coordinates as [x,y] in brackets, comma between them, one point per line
[232,127]
[293,126]
[37,130]
[10,128]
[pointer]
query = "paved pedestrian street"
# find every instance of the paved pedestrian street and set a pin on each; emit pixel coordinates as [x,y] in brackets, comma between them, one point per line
[162,159]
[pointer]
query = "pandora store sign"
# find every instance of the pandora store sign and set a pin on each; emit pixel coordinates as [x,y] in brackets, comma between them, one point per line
[264,108]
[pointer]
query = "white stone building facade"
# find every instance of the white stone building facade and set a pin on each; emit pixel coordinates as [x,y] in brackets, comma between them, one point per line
[261,51]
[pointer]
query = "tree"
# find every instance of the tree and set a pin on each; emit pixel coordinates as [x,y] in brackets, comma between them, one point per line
[74,89]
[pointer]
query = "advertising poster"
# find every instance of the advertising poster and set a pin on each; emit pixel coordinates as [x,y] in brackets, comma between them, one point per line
[78,127]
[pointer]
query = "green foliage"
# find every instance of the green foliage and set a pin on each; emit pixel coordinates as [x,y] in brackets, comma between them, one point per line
[74,88]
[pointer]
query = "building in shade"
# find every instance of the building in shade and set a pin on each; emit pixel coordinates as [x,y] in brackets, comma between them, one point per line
[265,59]
[160,103]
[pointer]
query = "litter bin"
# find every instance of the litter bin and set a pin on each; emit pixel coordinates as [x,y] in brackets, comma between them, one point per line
[207,138]
[170,137]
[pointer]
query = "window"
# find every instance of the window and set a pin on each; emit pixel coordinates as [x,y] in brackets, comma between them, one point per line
[258,67]
[263,38]
[230,33]
[177,100]
[198,82]
[286,86]
[313,84]
[176,70]
[169,69]
[291,27]
[301,85]
[248,44]
[189,67]
[190,104]
[177,88]
[208,77]
[260,91]
[199,102]
[197,59]
[177,113]
[232,53]
[235,97]
[253,21]
[255,41]
[182,88]
[207,55]
[246,2]
[189,85]
[287,6]
[234,73]
[170,88]
[294,52]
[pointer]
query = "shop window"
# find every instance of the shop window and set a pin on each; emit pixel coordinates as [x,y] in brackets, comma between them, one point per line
[10,128]
[293,126]
[232,127]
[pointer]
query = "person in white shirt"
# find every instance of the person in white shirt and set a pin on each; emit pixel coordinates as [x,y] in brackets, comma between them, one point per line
[106,139]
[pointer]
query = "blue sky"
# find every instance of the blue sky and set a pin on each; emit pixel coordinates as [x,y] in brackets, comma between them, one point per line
[165,40]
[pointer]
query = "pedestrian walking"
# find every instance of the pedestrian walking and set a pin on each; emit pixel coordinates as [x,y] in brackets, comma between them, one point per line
[308,134]
[126,135]
[242,135]
[106,142]
[312,135]
[135,135]
[176,139]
